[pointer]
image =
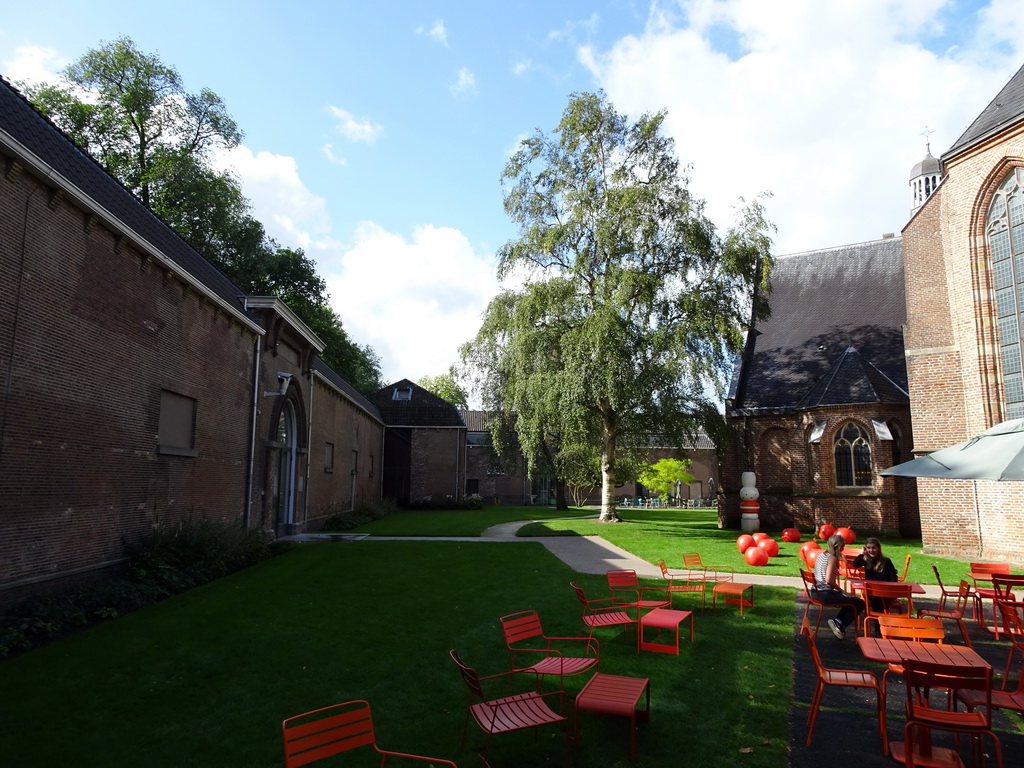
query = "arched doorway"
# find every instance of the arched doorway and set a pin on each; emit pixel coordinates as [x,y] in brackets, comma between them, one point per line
[287,443]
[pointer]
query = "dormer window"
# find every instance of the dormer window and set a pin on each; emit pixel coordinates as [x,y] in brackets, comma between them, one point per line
[402,393]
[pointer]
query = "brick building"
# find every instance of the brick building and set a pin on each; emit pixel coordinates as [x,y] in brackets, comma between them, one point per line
[424,444]
[139,385]
[819,402]
[964,280]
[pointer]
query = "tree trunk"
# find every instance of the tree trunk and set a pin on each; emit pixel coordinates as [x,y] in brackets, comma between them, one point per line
[560,502]
[608,511]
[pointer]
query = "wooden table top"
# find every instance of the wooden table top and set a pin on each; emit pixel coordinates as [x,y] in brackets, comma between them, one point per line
[894,651]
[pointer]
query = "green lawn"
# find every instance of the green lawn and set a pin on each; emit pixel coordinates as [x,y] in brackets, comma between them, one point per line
[460,522]
[205,678]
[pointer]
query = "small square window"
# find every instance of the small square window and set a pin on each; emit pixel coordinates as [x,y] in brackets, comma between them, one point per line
[177,426]
[328,457]
[402,393]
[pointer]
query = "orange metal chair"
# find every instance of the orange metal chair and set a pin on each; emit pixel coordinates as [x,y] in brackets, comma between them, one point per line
[963,595]
[888,594]
[908,628]
[603,611]
[1013,627]
[1003,586]
[524,636]
[810,599]
[848,572]
[846,677]
[981,594]
[923,678]
[625,584]
[686,582]
[713,573]
[906,569]
[946,591]
[509,713]
[332,730]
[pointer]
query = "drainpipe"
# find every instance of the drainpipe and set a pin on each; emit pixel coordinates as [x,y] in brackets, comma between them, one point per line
[252,433]
[309,448]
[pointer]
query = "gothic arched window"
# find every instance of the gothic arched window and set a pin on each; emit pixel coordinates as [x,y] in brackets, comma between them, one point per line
[1005,231]
[852,452]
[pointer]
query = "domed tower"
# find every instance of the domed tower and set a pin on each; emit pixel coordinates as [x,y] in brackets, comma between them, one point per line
[924,178]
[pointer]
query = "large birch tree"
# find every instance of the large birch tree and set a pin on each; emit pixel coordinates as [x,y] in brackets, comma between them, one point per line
[631,305]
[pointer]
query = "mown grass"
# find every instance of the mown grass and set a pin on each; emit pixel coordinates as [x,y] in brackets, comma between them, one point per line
[655,534]
[460,522]
[205,678]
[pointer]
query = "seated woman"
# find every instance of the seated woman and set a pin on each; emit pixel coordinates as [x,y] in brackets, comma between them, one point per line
[877,567]
[826,584]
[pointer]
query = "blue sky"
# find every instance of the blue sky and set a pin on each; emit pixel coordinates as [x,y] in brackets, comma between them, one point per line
[376,133]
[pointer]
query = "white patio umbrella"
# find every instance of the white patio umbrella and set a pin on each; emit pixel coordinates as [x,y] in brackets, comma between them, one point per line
[995,454]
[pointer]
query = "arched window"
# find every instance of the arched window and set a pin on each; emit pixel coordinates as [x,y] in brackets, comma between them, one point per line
[853,456]
[1004,228]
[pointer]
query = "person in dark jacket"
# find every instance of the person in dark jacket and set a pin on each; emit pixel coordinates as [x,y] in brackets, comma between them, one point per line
[877,567]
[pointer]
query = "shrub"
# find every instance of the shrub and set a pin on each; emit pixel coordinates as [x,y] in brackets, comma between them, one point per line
[166,561]
[366,512]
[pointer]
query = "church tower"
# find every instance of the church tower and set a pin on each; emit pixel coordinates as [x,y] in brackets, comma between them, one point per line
[924,178]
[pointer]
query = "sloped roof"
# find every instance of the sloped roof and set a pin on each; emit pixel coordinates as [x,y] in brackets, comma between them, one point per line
[35,133]
[1006,108]
[420,409]
[853,380]
[823,304]
[345,388]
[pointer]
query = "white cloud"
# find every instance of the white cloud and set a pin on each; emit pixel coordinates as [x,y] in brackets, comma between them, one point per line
[435,32]
[414,301]
[821,103]
[290,212]
[34,64]
[465,85]
[333,159]
[353,129]
[521,67]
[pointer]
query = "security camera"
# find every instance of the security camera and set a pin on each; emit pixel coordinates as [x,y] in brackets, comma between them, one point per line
[285,379]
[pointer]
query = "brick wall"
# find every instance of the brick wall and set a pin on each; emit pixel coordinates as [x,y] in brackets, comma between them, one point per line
[438,466]
[357,441]
[797,480]
[952,360]
[91,331]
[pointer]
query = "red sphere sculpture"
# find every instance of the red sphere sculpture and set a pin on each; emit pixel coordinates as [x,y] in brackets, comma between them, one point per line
[847,533]
[756,556]
[811,557]
[808,545]
[745,542]
[790,535]
[826,530]
[770,546]
[761,535]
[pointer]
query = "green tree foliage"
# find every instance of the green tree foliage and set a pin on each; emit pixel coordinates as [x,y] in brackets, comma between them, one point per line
[632,306]
[664,475]
[446,386]
[131,112]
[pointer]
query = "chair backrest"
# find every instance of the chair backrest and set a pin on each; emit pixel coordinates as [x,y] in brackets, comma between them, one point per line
[963,594]
[470,676]
[521,626]
[809,582]
[622,579]
[324,732]
[692,560]
[923,677]
[888,590]
[664,569]
[990,568]
[938,579]
[581,596]
[910,628]
[1005,583]
[906,568]
[808,632]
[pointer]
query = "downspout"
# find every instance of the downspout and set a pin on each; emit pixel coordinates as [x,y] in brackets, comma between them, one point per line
[380,482]
[252,433]
[309,448]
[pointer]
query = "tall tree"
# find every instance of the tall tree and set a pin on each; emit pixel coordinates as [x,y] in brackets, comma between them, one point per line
[131,112]
[633,305]
[446,386]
